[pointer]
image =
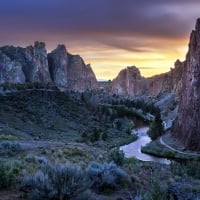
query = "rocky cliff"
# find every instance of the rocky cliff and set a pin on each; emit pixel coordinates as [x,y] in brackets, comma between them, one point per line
[187,125]
[33,60]
[130,83]
[10,71]
[33,64]
[69,71]
[127,82]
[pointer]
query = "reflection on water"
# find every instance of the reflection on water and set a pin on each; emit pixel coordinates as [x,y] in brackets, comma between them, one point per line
[134,149]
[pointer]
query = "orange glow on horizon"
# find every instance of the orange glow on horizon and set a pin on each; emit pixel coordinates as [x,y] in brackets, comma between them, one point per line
[108,62]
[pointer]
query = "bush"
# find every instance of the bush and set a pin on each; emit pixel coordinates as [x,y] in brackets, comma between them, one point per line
[187,168]
[9,148]
[117,156]
[107,176]
[104,136]
[7,175]
[95,135]
[59,182]
[157,191]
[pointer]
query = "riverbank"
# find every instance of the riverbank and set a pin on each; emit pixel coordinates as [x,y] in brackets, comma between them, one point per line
[134,148]
[168,147]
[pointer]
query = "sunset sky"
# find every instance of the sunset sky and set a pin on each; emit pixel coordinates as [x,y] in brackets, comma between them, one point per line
[108,34]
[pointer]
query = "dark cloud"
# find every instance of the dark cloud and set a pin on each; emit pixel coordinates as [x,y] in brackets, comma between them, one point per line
[109,22]
[108,33]
[96,16]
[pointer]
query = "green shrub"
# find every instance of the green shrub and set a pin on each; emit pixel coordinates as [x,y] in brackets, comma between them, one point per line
[104,136]
[7,175]
[59,182]
[157,190]
[95,135]
[187,168]
[117,156]
[106,176]
[9,148]
[84,135]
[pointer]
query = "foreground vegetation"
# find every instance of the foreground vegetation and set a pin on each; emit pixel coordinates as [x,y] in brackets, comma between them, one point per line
[66,146]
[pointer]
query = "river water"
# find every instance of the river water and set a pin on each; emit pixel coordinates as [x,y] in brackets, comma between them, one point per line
[134,149]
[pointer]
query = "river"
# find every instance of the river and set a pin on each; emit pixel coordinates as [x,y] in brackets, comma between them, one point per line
[134,149]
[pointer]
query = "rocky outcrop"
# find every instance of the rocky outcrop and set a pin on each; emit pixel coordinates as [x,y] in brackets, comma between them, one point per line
[32,64]
[70,72]
[33,60]
[58,62]
[10,71]
[130,83]
[127,82]
[187,125]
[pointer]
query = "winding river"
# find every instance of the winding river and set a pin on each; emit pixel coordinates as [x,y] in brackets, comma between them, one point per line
[134,149]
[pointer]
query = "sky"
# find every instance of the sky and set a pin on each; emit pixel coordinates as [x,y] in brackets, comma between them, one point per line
[108,34]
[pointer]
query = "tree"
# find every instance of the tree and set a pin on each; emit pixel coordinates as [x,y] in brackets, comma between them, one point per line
[156,128]
[104,136]
[95,135]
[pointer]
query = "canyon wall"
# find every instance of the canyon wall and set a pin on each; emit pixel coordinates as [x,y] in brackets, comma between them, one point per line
[33,64]
[187,124]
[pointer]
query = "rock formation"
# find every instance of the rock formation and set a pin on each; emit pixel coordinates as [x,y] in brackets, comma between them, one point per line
[130,83]
[32,64]
[33,60]
[10,71]
[69,71]
[187,125]
[127,82]
[58,61]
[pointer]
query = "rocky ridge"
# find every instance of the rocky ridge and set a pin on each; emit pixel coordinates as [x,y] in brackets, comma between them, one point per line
[130,83]
[33,64]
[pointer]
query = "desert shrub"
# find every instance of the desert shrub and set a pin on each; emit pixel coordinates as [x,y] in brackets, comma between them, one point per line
[104,136]
[9,148]
[106,176]
[59,182]
[193,169]
[7,175]
[95,135]
[117,156]
[84,135]
[157,190]
[187,168]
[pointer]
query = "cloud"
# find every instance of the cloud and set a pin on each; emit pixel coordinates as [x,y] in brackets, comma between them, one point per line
[96,17]
[102,30]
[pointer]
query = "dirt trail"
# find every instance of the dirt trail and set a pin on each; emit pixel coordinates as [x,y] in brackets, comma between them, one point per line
[173,144]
